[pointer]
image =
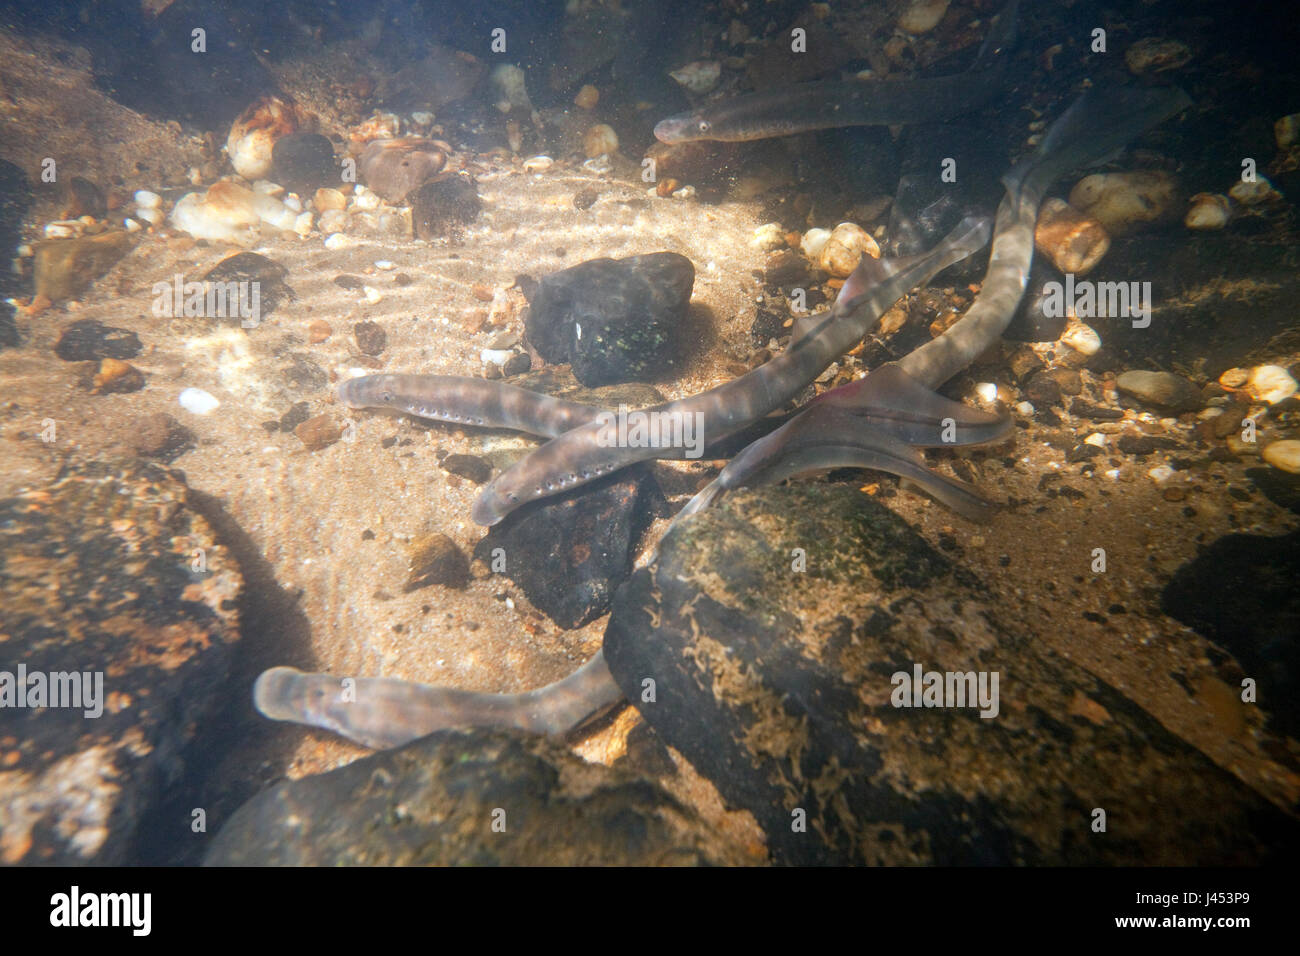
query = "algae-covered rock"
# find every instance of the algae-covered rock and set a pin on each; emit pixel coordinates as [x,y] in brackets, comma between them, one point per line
[65,268]
[779,685]
[109,578]
[470,798]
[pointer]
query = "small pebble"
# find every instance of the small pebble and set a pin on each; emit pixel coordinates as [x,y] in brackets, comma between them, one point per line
[384,264]
[987,391]
[1025,409]
[147,200]
[114,375]
[371,337]
[477,470]
[1208,211]
[587,97]
[1156,55]
[497,357]
[338,241]
[538,164]
[1253,193]
[318,432]
[1160,474]
[197,401]
[436,559]
[599,140]
[318,330]
[1271,384]
[1284,455]
[372,294]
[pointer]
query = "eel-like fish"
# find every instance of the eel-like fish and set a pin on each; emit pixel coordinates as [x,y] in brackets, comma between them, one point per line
[804,107]
[584,453]
[467,401]
[1094,126]
[876,422]
[382,712]
[388,712]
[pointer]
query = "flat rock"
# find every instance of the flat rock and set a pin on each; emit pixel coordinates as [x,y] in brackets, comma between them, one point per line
[1164,389]
[613,320]
[478,798]
[778,685]
[65,268]
[100,574]
[569,553]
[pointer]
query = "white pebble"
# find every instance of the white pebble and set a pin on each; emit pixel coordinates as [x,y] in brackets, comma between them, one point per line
[987,391]
[422,119]
[538,164]
[293,202]
[302,224]
[198,401]
[1096,439]
[373,295]
[383,264]
[812,242]
[333,220]
[268,188]
[364,199]
[1271,383]
[59,230]
[510,603]
[1083,339]
[600,165]
[131,225]
[337,241]
[1112,474]
[149,214]
[768,236]
[1025,408]
[146,199]
[1160,474]
[686,192]
[495,356]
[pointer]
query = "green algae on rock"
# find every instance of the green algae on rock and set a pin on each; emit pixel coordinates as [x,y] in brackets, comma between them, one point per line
[481,798]
[777,684]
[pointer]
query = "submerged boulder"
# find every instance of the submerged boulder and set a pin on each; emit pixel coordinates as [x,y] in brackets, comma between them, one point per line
[614,320]
[776,643]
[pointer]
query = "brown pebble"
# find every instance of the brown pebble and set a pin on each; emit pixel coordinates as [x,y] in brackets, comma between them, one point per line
[585,198]
[117,376]
[318,330]
[1174,493]
[482,293]
[402,279]
[319,432]
[517,364]
[476,320]
[371,337]
[477,470]
[436,559]
[667,187]
[159,436]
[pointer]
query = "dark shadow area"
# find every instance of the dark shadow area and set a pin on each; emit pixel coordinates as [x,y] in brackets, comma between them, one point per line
[1241,594]
[237,753]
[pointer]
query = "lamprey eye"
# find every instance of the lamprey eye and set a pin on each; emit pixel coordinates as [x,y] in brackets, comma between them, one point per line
[386,397]
[705,126]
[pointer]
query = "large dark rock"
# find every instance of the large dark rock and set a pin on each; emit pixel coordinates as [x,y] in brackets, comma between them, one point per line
[777,685]
[614,320]
[478,798]
[569,553]
[106,572]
